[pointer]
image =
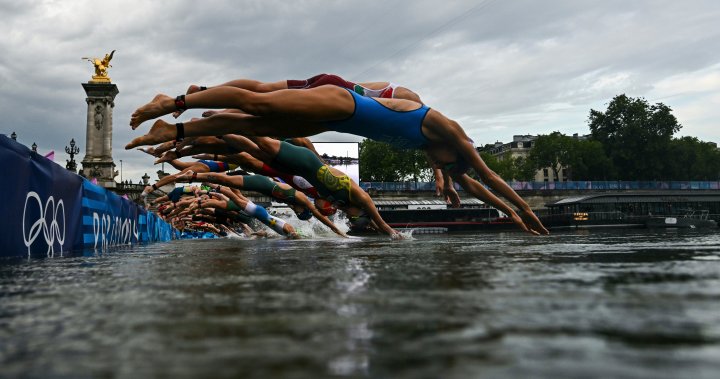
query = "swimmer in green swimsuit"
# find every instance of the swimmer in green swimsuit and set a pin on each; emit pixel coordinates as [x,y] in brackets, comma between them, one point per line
[331,183]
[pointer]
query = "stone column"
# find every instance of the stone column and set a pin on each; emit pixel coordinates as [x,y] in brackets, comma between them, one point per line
[98,162]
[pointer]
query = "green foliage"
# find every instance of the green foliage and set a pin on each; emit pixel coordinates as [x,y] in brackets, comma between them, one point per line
[554,151]
[509,167]
[636,137]
[380,162]
[692,159]
[589,161]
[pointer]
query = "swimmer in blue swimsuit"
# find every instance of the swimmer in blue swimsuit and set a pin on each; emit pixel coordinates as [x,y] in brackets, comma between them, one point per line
[300,113]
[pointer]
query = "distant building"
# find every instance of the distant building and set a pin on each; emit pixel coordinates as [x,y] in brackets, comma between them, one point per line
[520,148]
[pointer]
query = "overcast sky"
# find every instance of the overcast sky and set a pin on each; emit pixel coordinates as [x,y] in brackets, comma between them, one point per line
[500,68]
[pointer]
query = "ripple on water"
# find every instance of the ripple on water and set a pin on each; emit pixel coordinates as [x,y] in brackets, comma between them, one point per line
[595,304]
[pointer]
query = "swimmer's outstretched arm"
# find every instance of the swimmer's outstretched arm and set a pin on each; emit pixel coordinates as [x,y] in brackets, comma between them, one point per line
[303,199]
[448,190]
[362,200]
[494,181]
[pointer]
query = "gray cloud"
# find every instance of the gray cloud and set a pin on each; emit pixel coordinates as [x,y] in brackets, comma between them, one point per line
[498,67]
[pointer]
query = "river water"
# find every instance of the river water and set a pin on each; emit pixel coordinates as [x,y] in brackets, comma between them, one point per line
[590,304]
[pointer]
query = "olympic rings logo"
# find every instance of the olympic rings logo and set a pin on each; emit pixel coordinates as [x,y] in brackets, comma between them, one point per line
[51,231]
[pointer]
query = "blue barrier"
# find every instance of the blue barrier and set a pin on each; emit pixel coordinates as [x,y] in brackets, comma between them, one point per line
[48,210]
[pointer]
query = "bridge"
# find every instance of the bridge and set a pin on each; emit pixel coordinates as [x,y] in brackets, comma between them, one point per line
[537,194]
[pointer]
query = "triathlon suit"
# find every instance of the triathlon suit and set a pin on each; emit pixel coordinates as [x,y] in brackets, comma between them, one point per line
[298,159]
[218,166]
[386,92]
[297,182]
[325,79]
[371,119]
[266,186]
[320,80]
[222,214]
[178,192]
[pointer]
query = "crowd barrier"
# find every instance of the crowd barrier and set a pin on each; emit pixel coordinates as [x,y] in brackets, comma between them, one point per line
[558,186]
[48,210]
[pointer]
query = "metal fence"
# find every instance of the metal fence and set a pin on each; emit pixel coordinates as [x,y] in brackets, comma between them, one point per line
[558,186]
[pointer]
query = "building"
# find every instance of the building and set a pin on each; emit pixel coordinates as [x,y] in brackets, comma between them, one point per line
[520,148]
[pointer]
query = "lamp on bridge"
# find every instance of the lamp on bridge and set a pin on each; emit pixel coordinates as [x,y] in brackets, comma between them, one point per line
[146,179]
[72,150]
[13,136]
[34,147]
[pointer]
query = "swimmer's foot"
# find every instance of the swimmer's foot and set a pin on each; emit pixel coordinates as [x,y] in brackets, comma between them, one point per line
[163,147]
[192,89]
[205,156]
[148,150]
[187,176]
[160,132]
[159,106]
[167,157]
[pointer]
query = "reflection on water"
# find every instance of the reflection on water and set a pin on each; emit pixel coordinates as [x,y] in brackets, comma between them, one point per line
[577,304]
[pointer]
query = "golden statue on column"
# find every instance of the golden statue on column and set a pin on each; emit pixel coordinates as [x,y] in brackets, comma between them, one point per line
[101,67]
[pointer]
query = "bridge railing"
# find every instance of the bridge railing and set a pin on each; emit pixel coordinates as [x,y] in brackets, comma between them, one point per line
[558,186]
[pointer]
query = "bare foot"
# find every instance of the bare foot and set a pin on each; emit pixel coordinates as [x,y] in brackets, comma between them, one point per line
[148,150]
[186,176]
[160,132]
[167,157]
[159,106]
[163,147]
[205,156]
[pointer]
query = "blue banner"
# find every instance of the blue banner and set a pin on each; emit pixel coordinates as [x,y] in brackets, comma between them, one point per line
[48,210]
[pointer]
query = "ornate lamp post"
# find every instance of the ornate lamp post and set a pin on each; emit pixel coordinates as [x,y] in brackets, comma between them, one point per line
[72,150]
[145,178]
[34,147]
[121,171]
[13,136]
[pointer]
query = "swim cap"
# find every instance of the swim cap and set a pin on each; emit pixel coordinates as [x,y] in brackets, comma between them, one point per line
[360,221]
[304,215]
[325,207]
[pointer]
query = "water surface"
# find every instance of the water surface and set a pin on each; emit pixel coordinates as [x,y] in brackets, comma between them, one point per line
[591,304]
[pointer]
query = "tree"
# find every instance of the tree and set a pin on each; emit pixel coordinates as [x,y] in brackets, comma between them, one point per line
[635,136]
[693,159]
[380,162]
[589,161]
[552,151]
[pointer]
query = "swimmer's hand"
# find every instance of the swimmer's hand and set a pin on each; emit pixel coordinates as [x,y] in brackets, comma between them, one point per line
[259,233]
[532,222]
[396,236]
[451,197]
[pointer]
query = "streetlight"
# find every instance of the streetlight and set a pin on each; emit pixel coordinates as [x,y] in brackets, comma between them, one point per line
[72,150]
[34,147]
[121,171]
[13,136]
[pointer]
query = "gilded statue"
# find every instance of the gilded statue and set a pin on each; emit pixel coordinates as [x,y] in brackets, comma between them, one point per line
[101,67]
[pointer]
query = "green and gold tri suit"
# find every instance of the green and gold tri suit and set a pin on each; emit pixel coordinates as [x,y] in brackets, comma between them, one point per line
[303,162]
